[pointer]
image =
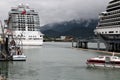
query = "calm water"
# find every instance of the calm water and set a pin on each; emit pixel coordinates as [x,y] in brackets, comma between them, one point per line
[56,61]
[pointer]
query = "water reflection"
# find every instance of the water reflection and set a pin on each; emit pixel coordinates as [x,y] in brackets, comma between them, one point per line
[31,47]
[4,69]
[56,61]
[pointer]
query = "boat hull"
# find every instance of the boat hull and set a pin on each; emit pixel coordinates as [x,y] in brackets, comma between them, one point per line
[104,65]
[19,58]
[104,61]
[32,42]
[30,38]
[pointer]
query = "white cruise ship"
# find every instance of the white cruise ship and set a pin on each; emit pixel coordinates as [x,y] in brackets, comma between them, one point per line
[108,28]
[23,22]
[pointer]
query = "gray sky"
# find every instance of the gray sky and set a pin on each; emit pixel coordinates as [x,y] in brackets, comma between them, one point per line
[51,11]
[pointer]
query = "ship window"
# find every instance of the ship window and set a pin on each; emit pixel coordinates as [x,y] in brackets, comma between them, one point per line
[116,31]
[111,32]
[100,57]
[40,35]
[115,57]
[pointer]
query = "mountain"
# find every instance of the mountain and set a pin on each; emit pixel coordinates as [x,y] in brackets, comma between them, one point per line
[77,28]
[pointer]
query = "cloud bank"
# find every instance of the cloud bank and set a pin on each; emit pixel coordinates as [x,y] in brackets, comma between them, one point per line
[51,11]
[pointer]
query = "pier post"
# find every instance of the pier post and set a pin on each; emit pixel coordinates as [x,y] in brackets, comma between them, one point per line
[118,47]
[85,45]
[107,47]
[72,43]
[98,45]
[77,44]
[111,47]
[81,44]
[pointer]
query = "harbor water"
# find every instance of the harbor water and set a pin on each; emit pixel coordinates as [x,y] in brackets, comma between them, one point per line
[56,61]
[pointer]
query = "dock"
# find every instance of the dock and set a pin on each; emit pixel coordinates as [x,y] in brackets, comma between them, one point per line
[83,43]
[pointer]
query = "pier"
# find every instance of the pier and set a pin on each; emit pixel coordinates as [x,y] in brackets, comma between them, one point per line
[83,43]
[109,46]
[113,46]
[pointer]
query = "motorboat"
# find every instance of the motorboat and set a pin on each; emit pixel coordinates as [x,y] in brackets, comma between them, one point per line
[104,61]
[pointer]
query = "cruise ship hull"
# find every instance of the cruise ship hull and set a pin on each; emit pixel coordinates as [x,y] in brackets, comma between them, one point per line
[32,42]
[28,38]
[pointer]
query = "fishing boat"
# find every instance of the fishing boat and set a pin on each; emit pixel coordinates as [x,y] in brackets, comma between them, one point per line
[104,61]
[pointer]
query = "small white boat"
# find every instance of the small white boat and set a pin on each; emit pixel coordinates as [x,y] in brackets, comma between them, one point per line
[19,57]
[17,54]
[104,61]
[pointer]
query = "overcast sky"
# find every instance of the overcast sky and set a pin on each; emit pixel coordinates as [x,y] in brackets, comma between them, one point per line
[51,11]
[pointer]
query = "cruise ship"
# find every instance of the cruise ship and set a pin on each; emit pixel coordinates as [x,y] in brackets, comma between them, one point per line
[23,23]
[108,29]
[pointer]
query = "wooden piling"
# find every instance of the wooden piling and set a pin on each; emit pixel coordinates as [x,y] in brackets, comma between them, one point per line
[82,44]
[98,45]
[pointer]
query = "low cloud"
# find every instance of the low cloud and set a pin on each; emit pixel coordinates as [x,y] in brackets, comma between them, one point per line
[51,11]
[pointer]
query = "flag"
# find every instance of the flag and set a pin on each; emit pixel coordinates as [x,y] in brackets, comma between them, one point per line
[23,12]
